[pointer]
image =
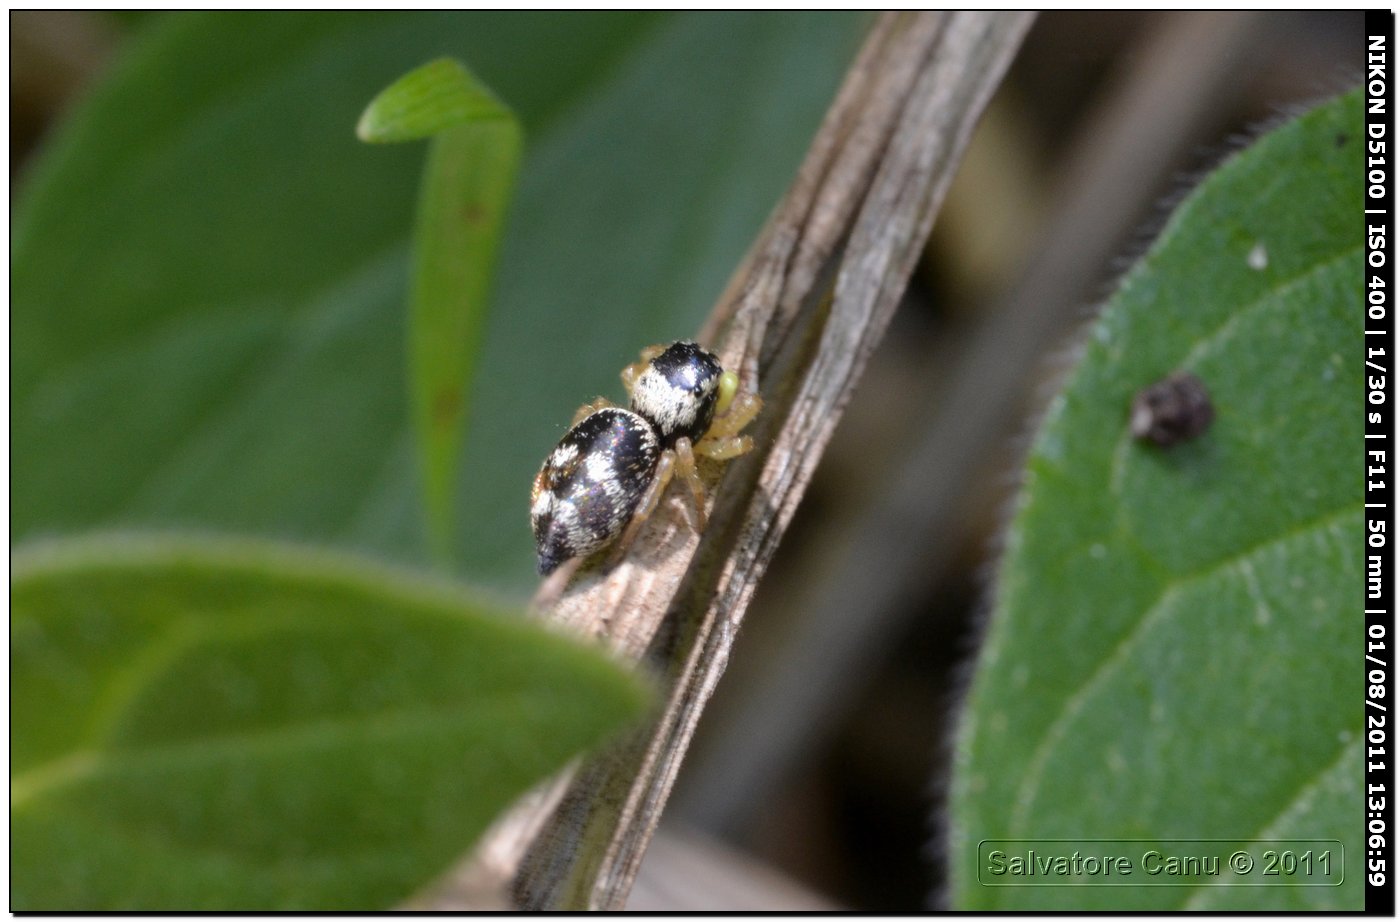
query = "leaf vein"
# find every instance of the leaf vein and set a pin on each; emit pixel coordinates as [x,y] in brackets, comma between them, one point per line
[1299,797]
[85,765]
[1075,702]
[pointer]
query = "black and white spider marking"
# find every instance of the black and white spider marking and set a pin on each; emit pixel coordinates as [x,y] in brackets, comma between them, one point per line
[609,471]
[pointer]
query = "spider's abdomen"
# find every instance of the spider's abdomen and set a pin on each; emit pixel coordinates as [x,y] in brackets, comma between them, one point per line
[590,485]
[678,391]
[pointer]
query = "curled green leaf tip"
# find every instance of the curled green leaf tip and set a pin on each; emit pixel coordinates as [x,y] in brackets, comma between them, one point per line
[427,100]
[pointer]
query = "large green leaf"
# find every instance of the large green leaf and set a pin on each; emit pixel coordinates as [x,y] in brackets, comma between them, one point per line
[203,724]
[209,271]
[1174,647]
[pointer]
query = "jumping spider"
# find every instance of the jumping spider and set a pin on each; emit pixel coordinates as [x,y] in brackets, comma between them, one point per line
[609,471]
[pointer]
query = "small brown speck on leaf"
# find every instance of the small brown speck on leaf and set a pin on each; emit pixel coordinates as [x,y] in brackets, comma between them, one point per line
[473,214]
[1175,409]
[447,403]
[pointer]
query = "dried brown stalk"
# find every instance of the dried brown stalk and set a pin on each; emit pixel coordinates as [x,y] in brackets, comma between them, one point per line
[799,321]
[1180,81]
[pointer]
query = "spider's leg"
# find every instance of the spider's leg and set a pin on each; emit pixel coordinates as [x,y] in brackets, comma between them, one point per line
[632,372]
[725,447]
[600,403]
[685,467]
[665,467]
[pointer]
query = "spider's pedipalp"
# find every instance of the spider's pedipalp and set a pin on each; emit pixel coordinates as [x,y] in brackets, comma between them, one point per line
[740,412]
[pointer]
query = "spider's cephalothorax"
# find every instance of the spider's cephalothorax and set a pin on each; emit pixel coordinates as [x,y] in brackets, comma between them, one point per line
[608,472]
[677,392]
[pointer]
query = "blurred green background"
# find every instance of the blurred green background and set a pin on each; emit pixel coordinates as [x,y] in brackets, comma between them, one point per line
[210,269]
[208,284]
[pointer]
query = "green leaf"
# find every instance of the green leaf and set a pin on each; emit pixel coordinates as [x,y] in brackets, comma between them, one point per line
[1174,647]
[440,95]
[208,268]
[472,162]
[216,724]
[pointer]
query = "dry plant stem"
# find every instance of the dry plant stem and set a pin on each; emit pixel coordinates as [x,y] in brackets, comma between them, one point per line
[686,872]
[800,320]
[1182,79]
